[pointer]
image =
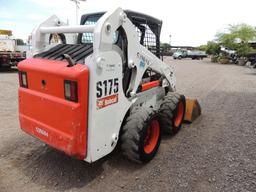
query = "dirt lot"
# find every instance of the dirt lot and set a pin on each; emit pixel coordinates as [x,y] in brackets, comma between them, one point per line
[215,153]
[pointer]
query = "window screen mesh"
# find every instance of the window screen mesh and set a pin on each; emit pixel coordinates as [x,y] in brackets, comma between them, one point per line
[148,31]
[147,37]
[87,37]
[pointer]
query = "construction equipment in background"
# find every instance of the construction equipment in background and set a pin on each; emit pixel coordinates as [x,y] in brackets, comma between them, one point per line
[99,86]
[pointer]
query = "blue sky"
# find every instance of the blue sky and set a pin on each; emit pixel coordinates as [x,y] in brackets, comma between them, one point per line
[21,16]
[188,22]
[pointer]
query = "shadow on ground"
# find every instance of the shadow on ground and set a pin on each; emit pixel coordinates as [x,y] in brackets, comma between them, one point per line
[53,170]
[8,70]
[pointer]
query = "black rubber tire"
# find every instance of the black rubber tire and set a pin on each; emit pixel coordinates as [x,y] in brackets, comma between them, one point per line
[179,57]
[133,135]
[168,112]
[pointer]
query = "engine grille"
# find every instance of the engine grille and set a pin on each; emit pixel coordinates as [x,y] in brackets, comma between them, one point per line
[77,52]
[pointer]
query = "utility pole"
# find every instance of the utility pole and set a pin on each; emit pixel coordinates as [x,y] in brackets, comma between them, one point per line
[170,36]
[77,2]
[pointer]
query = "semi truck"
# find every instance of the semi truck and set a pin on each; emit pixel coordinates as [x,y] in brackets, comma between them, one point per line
[10,52]
[179,54]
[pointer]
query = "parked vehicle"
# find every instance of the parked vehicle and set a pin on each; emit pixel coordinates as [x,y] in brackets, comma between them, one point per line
[10,52]
[231,54]
[179,54]
[252,59]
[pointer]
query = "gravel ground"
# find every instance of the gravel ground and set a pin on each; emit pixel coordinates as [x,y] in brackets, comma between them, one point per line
[215,153]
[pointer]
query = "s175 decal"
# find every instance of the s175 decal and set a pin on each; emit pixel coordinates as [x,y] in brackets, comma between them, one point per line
[107,87]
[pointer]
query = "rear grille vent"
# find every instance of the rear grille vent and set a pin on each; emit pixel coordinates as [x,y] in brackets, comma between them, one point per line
[77,52]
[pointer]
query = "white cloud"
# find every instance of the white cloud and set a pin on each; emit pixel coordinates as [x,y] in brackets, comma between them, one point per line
[189,22]
[52,3]
[4,14]
[8,23]
[35,17]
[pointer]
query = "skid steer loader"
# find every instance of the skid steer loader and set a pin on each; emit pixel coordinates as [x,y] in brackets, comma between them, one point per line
[101,84]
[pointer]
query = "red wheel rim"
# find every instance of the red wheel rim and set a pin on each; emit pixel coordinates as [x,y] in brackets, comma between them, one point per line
[179,115]
[152,136]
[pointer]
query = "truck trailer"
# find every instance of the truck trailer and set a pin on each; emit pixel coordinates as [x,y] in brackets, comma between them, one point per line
[10,52]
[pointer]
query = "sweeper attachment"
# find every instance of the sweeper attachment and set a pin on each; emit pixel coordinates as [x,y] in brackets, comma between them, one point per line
[91,86]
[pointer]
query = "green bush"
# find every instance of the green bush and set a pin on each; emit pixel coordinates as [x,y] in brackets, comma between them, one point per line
[214,58]
[223,59]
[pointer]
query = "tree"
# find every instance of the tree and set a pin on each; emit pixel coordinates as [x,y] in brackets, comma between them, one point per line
[165,45]
[202,47]
[213,48]
[165,48]
[237,38]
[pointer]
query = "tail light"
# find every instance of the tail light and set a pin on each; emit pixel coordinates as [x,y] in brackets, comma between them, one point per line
[23,79]
[70,90]
[17,55]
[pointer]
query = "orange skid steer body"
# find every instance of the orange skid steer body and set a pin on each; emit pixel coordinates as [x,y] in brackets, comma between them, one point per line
[53,104]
